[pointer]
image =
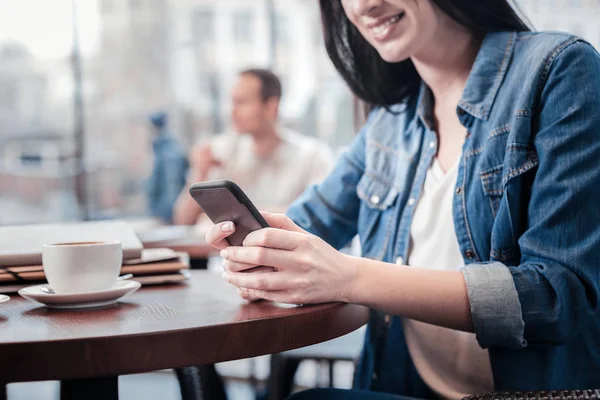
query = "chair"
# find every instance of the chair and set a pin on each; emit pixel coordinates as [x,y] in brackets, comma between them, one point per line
[591,394]
[199,383]
[189,383]
[284,365]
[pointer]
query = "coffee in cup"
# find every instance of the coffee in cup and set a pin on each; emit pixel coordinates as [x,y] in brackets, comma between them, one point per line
[82,266]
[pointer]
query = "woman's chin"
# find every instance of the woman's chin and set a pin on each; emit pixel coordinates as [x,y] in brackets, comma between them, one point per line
[393,55]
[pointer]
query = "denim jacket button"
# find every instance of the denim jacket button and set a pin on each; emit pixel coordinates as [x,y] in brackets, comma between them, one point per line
[411,201]
[399,260]
[469,254]
[375,199]
[458,190]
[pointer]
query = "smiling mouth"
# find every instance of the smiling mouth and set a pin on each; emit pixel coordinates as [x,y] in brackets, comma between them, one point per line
[382,30]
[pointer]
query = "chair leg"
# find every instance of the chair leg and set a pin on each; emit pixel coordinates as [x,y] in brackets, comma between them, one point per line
[281,377]
[211,383]
[189,383]
[106,388]
[200,383]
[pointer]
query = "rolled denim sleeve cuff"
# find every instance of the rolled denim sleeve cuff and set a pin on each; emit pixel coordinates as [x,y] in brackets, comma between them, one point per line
[495,306]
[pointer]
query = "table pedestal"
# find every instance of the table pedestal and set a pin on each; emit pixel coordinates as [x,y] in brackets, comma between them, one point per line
[90,389]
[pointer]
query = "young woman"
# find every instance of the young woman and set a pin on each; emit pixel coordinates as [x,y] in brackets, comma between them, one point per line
[474,187]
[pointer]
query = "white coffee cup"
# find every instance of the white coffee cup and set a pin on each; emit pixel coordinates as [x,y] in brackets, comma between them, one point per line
[82,266]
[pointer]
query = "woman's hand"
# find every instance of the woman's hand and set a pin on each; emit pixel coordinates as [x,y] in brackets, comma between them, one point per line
[307,270]
[217,238]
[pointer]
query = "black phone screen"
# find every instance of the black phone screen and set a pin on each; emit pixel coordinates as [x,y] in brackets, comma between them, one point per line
[225,201]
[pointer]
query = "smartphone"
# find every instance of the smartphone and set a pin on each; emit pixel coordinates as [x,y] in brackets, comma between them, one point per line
[222,201]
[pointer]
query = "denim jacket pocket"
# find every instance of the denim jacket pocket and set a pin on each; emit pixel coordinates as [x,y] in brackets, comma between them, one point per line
[498,182]
[520,158]
[375,193]
[493,187]
[375,220]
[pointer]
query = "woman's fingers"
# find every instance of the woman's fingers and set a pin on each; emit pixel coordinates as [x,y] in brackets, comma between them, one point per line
[244,294]
[281,221]
[280,296]
[265,281]
[273,238]
[230,266]
[280,259]
[217,235]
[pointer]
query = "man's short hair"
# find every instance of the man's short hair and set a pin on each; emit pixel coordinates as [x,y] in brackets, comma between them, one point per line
[270,83]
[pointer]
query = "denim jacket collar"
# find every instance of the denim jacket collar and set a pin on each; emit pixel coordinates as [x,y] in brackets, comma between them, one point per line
[487,74]
[425,106]
[484,80]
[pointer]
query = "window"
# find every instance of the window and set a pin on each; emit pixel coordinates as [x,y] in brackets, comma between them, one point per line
[281,29]
[107,6]
[243,27]
[136,4]
[203,26]
[135,62]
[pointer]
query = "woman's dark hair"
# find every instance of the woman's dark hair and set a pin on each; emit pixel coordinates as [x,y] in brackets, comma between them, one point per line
[379,83]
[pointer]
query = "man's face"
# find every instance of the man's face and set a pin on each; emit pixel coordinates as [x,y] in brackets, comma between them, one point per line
[249,113]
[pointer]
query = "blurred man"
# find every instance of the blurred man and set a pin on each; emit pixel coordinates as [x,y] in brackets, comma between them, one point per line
[272,164]
[169,170]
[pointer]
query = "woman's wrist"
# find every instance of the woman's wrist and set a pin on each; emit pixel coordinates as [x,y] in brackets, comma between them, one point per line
[353,265]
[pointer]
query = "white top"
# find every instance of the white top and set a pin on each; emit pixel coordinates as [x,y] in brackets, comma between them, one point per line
[275,181]
[451,362]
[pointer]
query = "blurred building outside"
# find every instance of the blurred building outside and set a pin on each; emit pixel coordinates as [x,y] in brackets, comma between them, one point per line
[181,56]
[142,56]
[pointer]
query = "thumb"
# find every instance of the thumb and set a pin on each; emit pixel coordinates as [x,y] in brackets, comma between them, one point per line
[281,221]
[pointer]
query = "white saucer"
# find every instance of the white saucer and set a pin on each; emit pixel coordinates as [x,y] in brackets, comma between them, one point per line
[3,298]
[80,300]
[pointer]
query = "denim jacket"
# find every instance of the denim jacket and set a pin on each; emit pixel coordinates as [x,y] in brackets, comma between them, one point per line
[526,212]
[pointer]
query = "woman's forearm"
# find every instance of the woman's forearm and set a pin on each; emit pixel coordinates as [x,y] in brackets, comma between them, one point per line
[431,296]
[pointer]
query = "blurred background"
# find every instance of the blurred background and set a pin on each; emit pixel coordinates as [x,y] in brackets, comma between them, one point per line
[78,79]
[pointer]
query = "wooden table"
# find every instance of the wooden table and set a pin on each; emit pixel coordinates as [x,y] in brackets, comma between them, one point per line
[156,328]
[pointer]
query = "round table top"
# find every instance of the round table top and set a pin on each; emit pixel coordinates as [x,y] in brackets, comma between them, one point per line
[201,322]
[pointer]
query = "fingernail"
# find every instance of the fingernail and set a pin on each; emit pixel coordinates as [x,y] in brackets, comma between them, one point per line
[224,254]
[226,276]
[227,227]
